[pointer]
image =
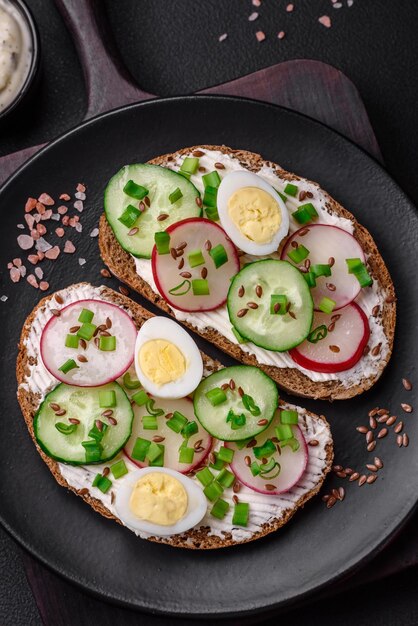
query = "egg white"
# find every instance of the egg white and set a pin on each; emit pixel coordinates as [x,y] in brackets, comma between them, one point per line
[163,328]
[231,183]
[196,504]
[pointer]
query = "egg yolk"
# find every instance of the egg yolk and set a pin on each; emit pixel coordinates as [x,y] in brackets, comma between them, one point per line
[161,361]
[159,498]
[255,213]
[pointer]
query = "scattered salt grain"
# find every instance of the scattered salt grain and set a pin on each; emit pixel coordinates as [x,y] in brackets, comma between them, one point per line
[281,34]
[78,227]
[260,35]
[32,281]
[46,199]
[81,261]
[60,232]
[65,197]
[80,195]
[53,253]
[325,20]
[47,215]
[69,247]
[56,217]
[350,3]
[290,8]
[21,226]
[337,5]
[25,242]
[42,245]
[4,298]
[39,272]
[223,37]
[78,205]
[9,266]
[253,16]
[81,187]
[94,232]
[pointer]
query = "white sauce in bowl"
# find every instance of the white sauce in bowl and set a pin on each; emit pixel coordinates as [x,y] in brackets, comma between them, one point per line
[15,52]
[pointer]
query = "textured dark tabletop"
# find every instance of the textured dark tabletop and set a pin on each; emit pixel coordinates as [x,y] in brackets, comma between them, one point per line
[172,47]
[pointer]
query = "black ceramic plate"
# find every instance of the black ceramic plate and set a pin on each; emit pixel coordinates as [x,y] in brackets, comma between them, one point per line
[318,545]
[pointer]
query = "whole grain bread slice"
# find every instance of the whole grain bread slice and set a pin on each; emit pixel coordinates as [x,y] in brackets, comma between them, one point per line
[200,538]
[122,265]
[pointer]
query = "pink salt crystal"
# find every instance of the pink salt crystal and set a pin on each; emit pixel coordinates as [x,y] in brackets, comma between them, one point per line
[32,281]
[62,210]
[65,197]
[34,234]
[260,35]
[30,204]
[78,204]
[37,217]
[53,253]
[41,255]
[81,187]
[78,227]
[41,229]
[40,208]
[281,34]
[222,37]
[39,272]
[290,8]
[15,274]
[46,199]
[22,270]
[9,266]
[33,258]
[72,222]
[17,262]
[25,242]
[256,3]
[253,16]
[66,220]
[80,195]
[325,21]
[43,286]
[69,247]
[47,215]
[60,232]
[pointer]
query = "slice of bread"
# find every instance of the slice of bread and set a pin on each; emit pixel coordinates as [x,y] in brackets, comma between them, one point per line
[320,456]
[122,265]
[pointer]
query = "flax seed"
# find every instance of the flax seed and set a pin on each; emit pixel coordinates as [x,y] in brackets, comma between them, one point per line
[313,443]
[399,440]
[141,206]
[173,253]
[369,436]
[341,474]
[331,286]
[197,153]
[349,471]
[378,462]
[292,315]
[303,232]
[341,492]
[331,327]
[106,471]
[354,476]
[331,261]
[259,291]
[336,494]
[185,274]
[83,492]
[105,273]
[133,231]
[208,245]
[373,422]
[54,406]
[371,467]
[199,202]
[262,422]
[276,307]
[302,195]
[225,386]
[398,427]
[375,310]
[235,499]
[252,443]
[242,312]
[74,329]
[123,290]
[252,305]
[159,439]
[241,291]
[240,391]
[247,461]
[270,487]
[362,480]
[374,412]
[232,384]
[334,348]
[376,350]
[337,468]
[390,299]
[406,407]
[74,420]
[56,312]
[112,421]
[107,413]
[383,419]
[81,358]
[203,272]
[407,384]
[405,440]
[147,201]
[326,497]
[237,486]
[371,446]
[60,413]
[371,478]
[362,429]
[331,501]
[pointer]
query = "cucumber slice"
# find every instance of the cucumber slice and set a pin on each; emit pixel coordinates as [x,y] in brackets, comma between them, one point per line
[82,404]
[160,183]
[254,383]
[270,330]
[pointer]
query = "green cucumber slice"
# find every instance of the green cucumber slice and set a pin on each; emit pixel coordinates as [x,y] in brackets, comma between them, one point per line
[160,182]
[253,382]
[264,328]
[83,404]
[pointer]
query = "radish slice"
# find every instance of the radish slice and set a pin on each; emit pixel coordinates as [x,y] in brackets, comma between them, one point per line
[325,242]
[174,276]
[292,464]
[348,333]
[170,439]
[101,366]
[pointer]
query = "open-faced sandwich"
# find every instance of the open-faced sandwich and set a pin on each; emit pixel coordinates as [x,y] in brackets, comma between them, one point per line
[130,415]
[262,263]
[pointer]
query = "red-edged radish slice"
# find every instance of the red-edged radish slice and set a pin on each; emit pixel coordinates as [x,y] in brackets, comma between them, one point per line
[170,439]
[292,464]
[100,367]
[326,242]
[174,276]
[343,345]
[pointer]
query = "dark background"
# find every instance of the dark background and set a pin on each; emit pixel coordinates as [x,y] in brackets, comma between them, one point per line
[171,47]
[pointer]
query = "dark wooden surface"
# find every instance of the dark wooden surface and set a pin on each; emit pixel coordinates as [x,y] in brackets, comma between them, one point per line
[310,87]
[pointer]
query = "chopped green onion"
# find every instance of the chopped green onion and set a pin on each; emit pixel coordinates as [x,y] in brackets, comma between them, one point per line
[175,195]
[305,213]
[267,449]
[283,432]
[65,429]
[86,331]
[162,242]
[280,300]
[98,433]
[155,454]
[212,214]
[327,305]
[321,269]
[225,478]
[119,469]
[152,410]
[149,422]
[93,451]
[219,464]
[291,190]
[225,454]
[310,278]
[85,316]
[354,265]
[289,417]
[213,490]
[216,396]
[107,399]
[212,179]
[237,421]
[238,337]
[190,429]
[250,405]
[190,165]
[71,341]
[107,344]
[102,482]
[292,442]
[318,333]
[129,216]
[130,383]
[358,268]
[177,422]
[255,468]
[242,443]
[299,254]
[140,397]
[140,449]
[219,255]
[266,470]
[68,366]
[204,476]
[195,258]
[179,290]
[241,514]
[186,455]
[220,508]
[210,197]
[135,191]
[281,195]
[200,287]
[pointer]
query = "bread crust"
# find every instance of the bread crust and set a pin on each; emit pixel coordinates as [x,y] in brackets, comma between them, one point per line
[193,539]
[122,265]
